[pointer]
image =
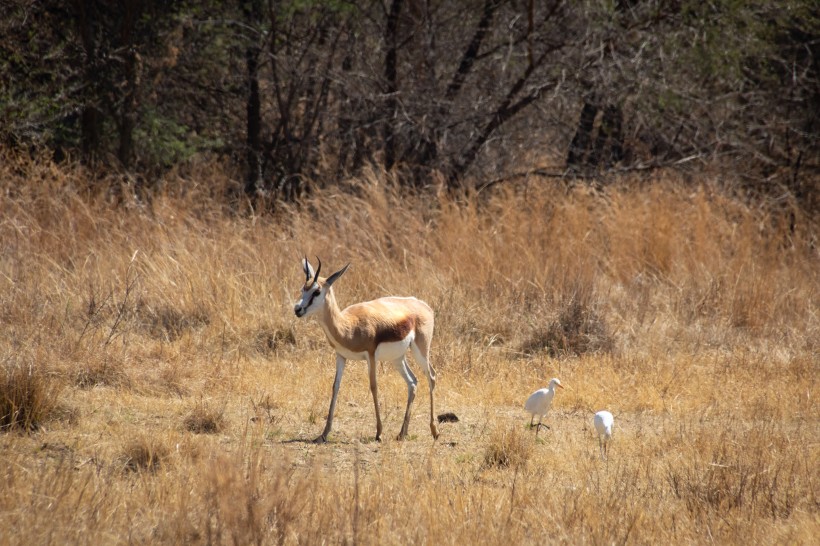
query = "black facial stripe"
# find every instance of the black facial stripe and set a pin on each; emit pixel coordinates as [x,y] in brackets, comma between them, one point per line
[312,296]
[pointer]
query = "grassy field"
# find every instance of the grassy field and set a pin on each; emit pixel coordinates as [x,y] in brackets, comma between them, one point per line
[157,388]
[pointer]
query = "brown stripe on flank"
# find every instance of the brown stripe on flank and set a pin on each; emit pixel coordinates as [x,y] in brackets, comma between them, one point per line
[395,331]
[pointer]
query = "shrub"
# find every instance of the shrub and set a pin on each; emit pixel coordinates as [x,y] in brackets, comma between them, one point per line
[578,329]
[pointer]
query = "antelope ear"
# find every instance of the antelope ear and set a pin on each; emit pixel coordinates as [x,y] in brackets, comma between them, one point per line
[333,278]
[307,269]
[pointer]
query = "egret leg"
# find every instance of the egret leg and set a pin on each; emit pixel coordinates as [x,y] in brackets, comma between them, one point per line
[541,424]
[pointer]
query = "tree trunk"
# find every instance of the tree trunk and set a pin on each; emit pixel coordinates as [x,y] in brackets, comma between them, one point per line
[128,115]
[132,10]
[90,132]
[90,118]
[391,83]
[579,147]
[253,176]
[608,148]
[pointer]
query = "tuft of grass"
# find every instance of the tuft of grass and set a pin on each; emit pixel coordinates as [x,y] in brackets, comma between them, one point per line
[101,372]
[205,419]
[268,341]
[144,454]
[28,396]
[508,447]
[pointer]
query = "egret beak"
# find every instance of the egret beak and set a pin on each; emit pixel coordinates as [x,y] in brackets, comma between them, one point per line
[560,385]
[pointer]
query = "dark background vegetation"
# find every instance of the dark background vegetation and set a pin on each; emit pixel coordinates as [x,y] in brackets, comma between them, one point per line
[294,95]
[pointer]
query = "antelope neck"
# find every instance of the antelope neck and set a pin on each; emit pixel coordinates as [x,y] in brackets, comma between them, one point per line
[332,319]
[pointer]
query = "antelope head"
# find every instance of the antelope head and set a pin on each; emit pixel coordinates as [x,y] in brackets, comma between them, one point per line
[315,289]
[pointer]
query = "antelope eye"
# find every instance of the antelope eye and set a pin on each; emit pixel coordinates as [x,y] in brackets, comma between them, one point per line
[316,294]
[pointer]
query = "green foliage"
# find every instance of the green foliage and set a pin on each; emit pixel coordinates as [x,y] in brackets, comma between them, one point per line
[164,142]
[293,7]
[723,36]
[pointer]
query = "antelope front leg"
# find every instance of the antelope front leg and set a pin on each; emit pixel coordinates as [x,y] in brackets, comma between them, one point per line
[340,368]
[374,389]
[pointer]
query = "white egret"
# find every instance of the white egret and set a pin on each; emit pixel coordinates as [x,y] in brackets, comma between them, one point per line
[540,401]
[603,424]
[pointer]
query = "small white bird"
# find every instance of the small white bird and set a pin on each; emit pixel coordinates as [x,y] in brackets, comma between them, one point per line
[540,401]
[603,424]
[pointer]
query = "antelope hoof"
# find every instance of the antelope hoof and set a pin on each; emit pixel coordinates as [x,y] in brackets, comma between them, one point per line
[401,437]
[434,430]
[320,440]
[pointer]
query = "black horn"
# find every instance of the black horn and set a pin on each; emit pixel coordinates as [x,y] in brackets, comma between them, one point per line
[316,277]
[306,266]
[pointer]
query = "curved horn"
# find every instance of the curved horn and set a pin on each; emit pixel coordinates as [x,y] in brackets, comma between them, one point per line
[316,277]
[306,264]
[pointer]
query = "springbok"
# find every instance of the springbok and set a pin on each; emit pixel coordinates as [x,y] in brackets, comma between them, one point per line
[378,330]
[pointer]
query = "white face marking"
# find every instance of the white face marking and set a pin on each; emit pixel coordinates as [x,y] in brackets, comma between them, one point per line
[311,301]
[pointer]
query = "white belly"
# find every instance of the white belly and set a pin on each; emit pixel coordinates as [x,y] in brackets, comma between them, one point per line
[385,352]
[349,355]
[394,349]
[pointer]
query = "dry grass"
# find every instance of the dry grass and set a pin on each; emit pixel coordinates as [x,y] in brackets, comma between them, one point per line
[205,418]
[27,396]
[171,393]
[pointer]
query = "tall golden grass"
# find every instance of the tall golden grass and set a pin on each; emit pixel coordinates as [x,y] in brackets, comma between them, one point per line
[167,393]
